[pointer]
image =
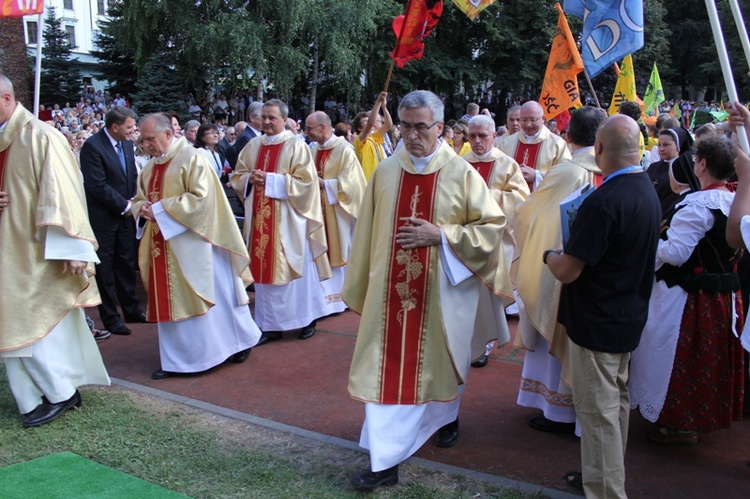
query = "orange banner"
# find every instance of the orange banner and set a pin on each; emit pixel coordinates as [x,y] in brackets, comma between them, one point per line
[560,89]
[413,27]
[20,8]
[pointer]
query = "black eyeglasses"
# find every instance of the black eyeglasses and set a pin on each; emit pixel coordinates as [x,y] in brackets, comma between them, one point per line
[420,128]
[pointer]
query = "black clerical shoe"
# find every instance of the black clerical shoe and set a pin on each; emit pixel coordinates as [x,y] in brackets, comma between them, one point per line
[140,317]
[481,361]
[541,423]
[308,331]
[268,337]
[118,328]
[161,374]
[240,357]
[46,412]
[448,435]
[371,480]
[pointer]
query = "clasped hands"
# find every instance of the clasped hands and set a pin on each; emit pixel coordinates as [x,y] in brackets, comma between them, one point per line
[258,177]
[417,233]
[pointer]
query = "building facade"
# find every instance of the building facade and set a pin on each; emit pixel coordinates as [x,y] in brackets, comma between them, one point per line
[80,20]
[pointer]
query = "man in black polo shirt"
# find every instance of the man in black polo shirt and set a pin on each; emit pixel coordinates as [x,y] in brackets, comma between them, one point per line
[607,268]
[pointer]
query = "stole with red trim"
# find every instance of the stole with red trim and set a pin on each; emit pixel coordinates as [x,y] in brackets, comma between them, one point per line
[527,155]
[321,159]
[262,237]
[159,307]
[407,295]
[3,158]
[485,169]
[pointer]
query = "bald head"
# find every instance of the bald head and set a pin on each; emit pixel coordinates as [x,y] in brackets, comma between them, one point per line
[617,144]
[532,117]
[7,99]
[318,127]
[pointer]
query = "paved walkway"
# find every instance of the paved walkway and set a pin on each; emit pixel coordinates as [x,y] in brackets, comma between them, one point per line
[303,384]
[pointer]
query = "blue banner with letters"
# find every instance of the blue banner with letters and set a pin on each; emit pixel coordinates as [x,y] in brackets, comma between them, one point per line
[612,29]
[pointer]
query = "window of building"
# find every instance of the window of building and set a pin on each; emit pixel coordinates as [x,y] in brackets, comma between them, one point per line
[31,27]
[101,7]
[68,4]
[70,32]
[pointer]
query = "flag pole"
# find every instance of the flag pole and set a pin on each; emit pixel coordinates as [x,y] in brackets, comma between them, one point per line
[740,22]
[38,65]
[726,69]
[390,72]
[591,87]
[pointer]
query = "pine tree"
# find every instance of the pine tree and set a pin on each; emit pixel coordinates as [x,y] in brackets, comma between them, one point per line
[117,58]
[60,81]
[159,86]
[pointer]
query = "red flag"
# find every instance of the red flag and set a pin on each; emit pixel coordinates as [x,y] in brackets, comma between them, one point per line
[563,120]
[413,27]
[20,8]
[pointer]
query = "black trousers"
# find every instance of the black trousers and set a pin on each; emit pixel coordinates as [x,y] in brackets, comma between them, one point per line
[115,275]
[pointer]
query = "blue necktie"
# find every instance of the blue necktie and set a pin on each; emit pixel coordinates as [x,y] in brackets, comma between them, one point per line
[121,154]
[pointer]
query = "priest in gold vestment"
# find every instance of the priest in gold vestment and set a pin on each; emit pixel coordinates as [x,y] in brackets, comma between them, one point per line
[342,185]
[275,176]
[193,262]
[537,228]
[427,241]
[508,187]
[534,148]
[47,267]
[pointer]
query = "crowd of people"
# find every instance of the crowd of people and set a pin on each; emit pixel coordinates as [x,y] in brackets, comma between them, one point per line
[635,302]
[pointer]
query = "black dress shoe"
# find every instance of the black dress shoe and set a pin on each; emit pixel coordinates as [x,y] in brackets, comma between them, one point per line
[541,423]
[161,374]
[240,357]
[370,480]
[481,361]
[46,412]
[308,331]
[139,318]
[119,328]
[448,435]
[268,336]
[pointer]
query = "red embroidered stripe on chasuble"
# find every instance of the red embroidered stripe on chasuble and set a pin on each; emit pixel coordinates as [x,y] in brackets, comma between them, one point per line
[321,159]
[159,307]
[485,169]
[527,155]
[262,239]
[598,179]
[407,295]
[3,157]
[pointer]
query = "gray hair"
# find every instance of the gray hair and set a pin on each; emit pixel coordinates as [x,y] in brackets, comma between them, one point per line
[254,109]
[190,124]
[161,122]
[283,109]
[513,109]
[482,120]
[423,98]
[6,85]
[118,115]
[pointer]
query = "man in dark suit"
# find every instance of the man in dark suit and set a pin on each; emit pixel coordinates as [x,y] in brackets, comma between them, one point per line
[252,130]
[108,166]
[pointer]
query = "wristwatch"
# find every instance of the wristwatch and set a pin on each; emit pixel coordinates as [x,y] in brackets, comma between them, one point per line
[546,253]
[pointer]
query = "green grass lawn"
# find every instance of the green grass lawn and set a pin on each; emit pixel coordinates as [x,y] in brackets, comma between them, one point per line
[204,455]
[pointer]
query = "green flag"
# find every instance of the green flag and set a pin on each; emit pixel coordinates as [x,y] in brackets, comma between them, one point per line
[654,94]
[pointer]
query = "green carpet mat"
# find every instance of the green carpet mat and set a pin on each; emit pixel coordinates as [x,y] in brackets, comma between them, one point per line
[68,475]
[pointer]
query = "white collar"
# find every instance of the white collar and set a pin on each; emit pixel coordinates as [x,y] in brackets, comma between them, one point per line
[421,163]
[111,140]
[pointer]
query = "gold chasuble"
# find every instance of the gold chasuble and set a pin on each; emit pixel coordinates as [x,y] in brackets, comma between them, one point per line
[45,187]
[504,179]
[537,228]
[335,160]
[405,351]
[178,274]
[276,229]
[541,153]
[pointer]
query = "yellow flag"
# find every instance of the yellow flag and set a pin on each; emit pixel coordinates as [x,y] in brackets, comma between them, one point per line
[472,8]
[625,88]
[560,88]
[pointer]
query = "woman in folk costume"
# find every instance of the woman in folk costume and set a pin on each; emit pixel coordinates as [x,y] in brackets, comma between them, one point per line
[687,373]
